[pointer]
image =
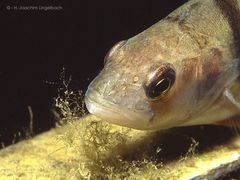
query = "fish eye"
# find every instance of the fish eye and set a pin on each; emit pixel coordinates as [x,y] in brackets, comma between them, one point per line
[160,83]
[112,50]
[162,86]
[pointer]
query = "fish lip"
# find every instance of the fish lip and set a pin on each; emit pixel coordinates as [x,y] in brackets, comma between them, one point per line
[137,119]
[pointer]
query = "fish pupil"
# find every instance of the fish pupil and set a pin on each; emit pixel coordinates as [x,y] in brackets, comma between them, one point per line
[160,87]
[160,83]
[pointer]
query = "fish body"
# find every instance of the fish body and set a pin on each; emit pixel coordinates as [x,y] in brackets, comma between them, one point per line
[183,70]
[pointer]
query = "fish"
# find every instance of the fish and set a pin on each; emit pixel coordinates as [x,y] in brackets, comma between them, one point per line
[182,71]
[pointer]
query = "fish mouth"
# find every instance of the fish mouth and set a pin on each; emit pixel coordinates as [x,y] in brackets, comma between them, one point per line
[113,113]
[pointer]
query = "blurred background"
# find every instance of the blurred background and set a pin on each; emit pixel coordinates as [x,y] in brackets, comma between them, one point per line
[37,44]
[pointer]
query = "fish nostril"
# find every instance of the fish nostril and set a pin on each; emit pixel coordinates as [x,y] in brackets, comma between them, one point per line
[135,79]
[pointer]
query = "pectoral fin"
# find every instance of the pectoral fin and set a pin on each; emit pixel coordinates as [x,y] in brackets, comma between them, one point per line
[233,122]
[231,98]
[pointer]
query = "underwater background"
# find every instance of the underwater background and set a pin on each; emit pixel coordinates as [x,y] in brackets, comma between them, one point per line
[38,44]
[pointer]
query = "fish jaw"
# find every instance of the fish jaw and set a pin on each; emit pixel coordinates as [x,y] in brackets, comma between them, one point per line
[113,113]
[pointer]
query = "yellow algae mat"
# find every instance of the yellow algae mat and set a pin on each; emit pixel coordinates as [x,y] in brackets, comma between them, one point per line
[88,148]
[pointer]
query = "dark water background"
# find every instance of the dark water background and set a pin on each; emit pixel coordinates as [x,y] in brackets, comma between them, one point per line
[37,44]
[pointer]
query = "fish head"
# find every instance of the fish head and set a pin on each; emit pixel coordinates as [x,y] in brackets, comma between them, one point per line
[149,82]
[173,73]
[136,87]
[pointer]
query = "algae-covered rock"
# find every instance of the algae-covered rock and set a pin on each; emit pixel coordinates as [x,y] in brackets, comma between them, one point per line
[88,148]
